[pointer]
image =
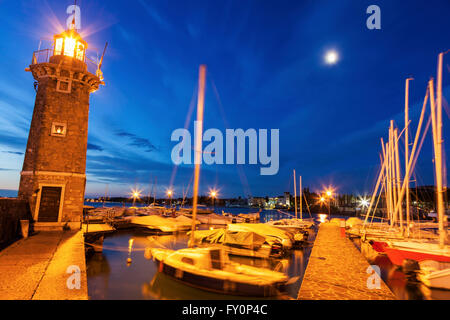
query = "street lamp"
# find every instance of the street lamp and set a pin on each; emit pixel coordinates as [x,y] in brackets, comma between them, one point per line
[329,194]
[363,203]
[169,193]
[135,194]
[213,194]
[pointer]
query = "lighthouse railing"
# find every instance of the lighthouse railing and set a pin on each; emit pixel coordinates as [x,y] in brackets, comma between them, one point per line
[41,56]
[92,66]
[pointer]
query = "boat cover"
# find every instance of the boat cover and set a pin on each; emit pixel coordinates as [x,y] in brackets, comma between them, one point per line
[244,239]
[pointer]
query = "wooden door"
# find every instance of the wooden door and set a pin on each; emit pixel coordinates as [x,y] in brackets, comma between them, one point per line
[49,204]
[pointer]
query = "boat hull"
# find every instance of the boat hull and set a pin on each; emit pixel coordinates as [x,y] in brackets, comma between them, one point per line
[397,256]
[379,246]
[220,285]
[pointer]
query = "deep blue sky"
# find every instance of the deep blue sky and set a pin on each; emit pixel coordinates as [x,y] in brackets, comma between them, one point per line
[265,58]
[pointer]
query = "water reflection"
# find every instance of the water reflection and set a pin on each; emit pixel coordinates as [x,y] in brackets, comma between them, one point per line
[109,277]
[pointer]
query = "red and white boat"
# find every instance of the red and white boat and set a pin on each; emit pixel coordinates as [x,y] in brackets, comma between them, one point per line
[398,251]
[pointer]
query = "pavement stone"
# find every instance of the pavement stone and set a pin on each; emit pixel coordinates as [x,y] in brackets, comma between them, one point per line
[338,271]
[36,267]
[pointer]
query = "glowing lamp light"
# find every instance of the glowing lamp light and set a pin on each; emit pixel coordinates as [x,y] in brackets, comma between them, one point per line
[70,44]
[322,199]
[135,194]
[169,193]
[364,203]
[329,193]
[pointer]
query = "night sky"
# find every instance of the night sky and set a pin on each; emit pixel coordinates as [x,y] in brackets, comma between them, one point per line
[266,70]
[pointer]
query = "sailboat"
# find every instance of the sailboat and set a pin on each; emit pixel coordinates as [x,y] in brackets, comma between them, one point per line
[295,224]
[432,253]
[409,241]
[210,268]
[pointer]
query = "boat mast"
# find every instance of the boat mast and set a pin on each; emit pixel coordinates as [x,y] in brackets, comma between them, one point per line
[412,156]
[398,178]
[388,177]
[407,152]
[436,114]
[295,196]
[392,166]
[440,187]
[198,146]
[300,197]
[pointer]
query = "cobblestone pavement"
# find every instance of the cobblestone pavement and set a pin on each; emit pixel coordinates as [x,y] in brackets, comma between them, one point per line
[338,271]
[36,268]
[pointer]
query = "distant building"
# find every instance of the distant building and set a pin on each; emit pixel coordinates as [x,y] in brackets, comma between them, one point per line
[257,202]
[287,199]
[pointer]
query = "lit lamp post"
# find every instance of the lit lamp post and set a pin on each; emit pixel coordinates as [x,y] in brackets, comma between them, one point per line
[135,195]
[169,194]
[322,200]
[363,203]
[213,194]
[329,195]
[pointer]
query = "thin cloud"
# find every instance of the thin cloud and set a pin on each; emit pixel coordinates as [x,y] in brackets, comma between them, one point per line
[136,141]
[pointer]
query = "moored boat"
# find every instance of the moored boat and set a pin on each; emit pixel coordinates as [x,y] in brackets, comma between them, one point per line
[269,232]
[210,269]
[434,274]
[398,251]
[240,243]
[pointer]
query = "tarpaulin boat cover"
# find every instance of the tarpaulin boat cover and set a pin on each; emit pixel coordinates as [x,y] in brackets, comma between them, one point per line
[261,229]
[244,239]
[209,236]
[155,221]
[230,238]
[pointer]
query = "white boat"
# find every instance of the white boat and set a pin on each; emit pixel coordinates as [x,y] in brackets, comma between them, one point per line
[210,269]
[155,223]
[250,217]
[434,274]
[240,243]
[294,224]
[269,232]
[214,218]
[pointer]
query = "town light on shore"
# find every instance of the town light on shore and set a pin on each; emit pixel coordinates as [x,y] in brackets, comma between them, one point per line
[135,194]
[169,194]
[213,195]
[364,203]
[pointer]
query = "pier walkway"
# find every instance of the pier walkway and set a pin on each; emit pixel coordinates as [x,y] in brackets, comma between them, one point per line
[35,268]
[338,271]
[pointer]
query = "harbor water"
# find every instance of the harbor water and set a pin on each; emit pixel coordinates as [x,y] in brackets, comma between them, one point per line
[111,277]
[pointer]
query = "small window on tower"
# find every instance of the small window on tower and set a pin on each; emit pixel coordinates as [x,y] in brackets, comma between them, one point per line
[64,86]
[59,129]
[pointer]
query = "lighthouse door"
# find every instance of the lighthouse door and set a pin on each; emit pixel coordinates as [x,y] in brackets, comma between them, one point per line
[49,204]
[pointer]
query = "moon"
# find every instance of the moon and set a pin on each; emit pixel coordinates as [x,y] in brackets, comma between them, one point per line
[331,57]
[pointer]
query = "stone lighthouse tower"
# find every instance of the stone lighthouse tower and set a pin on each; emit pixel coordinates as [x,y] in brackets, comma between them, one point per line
[53,177]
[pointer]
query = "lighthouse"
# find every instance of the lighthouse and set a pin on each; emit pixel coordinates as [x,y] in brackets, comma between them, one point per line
[53,176]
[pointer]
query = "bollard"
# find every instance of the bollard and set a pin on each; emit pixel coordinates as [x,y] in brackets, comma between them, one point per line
[342,228]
